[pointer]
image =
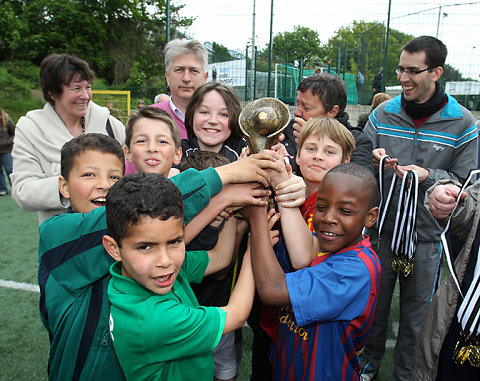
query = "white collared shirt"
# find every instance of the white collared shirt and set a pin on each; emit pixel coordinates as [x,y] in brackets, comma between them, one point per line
[176,110]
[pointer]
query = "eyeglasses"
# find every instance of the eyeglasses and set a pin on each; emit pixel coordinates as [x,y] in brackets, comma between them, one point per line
[399,70]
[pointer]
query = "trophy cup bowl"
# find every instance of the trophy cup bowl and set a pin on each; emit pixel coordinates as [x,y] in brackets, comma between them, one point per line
[261,121]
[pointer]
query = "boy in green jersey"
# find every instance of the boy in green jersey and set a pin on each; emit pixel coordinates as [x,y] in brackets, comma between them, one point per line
[158,329]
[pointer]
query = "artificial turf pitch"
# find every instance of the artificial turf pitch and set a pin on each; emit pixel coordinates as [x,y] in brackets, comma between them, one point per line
[23,339]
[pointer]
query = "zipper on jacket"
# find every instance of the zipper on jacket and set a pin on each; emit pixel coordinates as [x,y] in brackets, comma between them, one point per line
[106,337]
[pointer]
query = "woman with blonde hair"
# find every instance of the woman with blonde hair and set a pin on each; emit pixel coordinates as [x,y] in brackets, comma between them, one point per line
[379,98]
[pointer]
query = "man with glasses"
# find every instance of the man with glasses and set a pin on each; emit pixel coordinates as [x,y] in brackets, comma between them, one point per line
[423,130]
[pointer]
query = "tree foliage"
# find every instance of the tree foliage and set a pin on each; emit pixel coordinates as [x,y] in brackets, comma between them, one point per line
[301,44]
[109,34]
[363,45]
[451,74]
[220,53]
[123,40]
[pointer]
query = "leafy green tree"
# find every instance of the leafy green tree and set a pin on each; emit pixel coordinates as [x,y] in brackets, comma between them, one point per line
[11,28]
[109,34]
[315,61]
[302,43]
[363,45]
[451,74]
[359,49]
[220,53]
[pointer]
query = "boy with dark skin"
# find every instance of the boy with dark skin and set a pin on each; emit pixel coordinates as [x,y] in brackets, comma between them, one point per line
[329,305]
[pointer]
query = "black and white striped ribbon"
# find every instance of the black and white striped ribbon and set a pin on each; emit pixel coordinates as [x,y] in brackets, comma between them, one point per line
[443,237]
[383,207]
[404,239]
[468,314]
[405,235]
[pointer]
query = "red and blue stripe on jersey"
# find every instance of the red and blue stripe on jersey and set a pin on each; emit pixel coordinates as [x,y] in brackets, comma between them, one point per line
[333,304]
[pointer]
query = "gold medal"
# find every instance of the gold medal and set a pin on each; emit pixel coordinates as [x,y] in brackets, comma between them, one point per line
[396,265]
[408,268]
[403,266]
[456,351]
[474,357]
[461,357]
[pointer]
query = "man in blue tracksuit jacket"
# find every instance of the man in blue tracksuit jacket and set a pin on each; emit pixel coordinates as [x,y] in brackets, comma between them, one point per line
[427,131]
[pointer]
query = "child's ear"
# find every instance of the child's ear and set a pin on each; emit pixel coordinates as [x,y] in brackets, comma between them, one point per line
[111,247]
[128,155]
[371,218]
[63,187]
[178,156]
[347,159]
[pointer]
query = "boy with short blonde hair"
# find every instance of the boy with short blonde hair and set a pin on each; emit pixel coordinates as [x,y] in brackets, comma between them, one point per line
[152,142]
[331,128]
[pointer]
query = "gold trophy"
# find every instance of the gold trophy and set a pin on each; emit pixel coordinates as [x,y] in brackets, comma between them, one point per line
[261,121]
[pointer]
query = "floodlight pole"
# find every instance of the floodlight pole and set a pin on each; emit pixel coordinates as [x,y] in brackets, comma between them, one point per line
[167,34]
[385,56]
[270,51]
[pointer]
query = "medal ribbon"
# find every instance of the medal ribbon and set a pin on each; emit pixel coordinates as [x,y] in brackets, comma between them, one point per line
[404,239]
[468,315]
[469,311]
[383,209]
[447,226]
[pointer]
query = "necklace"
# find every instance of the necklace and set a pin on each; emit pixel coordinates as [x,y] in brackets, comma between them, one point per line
[82,122]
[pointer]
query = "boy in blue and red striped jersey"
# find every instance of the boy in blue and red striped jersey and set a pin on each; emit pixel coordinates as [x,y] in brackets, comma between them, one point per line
[328,307]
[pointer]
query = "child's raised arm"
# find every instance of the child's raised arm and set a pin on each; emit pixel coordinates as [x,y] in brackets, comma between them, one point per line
[269,276]
[232,195]
[250,169]
[222,254]
[302,245]
[241,300]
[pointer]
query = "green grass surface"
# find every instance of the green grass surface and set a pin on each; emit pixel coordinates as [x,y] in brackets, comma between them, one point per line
[23,339]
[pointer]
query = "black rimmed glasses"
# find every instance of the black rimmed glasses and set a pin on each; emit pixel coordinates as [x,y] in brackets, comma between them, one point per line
[399,70]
